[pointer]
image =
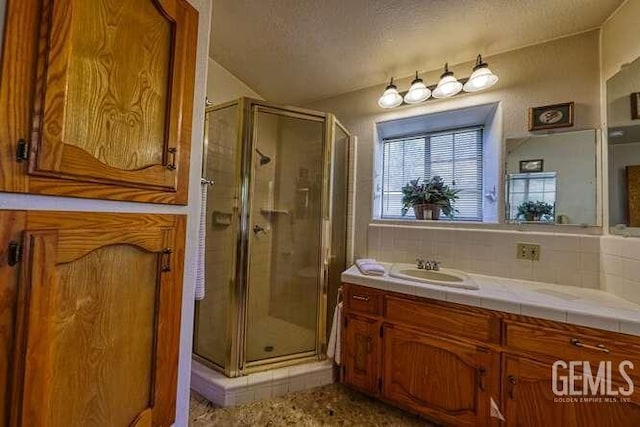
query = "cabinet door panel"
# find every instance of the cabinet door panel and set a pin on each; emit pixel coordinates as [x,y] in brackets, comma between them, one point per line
[98,329]
[529,400]
[109,115]
[439,378]
[361,349]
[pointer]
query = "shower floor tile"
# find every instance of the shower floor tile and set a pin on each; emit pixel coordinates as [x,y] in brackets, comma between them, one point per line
[325,406]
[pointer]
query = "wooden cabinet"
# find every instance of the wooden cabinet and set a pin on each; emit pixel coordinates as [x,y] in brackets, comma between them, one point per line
[529,400]
[97,318]
[449,361]
[444,379]
[362,353]
[97,98]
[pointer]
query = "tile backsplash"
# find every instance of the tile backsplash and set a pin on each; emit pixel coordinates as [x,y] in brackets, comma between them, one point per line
[567,259]
[621,266]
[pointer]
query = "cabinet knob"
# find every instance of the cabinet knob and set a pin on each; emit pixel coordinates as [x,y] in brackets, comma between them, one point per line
[482,373]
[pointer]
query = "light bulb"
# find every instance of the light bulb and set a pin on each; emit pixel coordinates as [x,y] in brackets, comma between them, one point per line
[481,78]
[390,97]
[418,92]
[448,84]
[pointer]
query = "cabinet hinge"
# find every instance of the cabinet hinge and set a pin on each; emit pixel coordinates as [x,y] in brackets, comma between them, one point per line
[380,385]
[346,321]
[22,151]
[14,253]
[381,331]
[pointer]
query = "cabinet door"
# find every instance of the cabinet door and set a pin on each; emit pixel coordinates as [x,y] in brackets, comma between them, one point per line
[529,400]
[11,226]
[360,350]
[98,323]
[443,379]
[112,102]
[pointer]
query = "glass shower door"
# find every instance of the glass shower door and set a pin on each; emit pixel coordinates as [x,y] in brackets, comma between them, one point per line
[285,256]
[213,328]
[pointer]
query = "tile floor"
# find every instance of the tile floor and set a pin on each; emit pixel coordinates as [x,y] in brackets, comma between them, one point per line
[332,405]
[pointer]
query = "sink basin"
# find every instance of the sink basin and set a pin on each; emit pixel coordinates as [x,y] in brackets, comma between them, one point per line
[444,277]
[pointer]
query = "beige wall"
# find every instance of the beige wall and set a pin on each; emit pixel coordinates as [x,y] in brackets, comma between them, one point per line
[619,38]
[559,71]
[222,86]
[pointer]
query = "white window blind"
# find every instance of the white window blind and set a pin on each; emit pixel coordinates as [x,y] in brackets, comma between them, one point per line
[454,155]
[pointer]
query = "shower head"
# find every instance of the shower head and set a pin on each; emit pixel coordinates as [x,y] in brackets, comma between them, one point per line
[263,159]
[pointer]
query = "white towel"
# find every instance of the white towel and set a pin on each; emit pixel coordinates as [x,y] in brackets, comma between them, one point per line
[370,267]
[202,234]
[333,348]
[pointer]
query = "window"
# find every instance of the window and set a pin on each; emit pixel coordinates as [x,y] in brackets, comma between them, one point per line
[454,155]
[534,187]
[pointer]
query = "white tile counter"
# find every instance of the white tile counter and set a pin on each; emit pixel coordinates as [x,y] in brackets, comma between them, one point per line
[568,304]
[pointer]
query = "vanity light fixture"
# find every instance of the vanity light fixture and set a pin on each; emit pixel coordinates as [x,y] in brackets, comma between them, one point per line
[448,85]
[390,97]
[481,78]
[418,92]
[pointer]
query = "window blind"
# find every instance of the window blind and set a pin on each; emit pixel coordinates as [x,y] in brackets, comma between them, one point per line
[454,155]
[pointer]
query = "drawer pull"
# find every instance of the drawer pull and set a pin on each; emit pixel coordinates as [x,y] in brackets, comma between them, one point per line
[360,297]
[481,376]
[600,347]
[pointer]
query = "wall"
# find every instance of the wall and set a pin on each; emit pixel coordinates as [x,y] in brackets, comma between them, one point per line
[619,46]
[566,259]
[222,86]
[621,266]
[32,202]
[558,71]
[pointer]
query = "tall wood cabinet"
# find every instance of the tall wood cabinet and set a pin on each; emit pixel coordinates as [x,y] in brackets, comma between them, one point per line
[94,300]
[96,98]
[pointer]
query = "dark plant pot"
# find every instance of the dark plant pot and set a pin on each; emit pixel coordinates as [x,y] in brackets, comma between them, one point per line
[427,211]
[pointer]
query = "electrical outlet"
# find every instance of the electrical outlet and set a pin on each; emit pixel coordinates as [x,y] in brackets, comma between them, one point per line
[529,251]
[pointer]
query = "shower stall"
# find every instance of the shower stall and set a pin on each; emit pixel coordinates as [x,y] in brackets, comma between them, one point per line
[276,235]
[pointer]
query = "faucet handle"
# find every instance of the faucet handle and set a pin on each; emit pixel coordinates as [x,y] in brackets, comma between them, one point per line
[435,265]
[420,263]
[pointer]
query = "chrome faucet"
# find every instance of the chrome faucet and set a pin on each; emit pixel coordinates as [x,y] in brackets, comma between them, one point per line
[429,265]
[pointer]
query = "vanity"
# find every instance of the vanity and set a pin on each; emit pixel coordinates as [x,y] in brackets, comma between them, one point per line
[449,353]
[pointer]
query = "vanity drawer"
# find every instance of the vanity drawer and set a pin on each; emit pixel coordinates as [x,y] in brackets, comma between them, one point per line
[431,316]
[573,343]
[361,299]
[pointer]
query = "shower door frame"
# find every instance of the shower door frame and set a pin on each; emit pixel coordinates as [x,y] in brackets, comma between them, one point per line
[235,363]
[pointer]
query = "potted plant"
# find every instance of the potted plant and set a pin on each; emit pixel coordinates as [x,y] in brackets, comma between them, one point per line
[534,211]
[433,196]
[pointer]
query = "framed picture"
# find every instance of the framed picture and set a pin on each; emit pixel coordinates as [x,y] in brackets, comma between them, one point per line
[635,106]
[551,116]
[528,166]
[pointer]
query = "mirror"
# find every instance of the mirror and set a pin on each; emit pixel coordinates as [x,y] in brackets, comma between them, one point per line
[623,116]
[551,179]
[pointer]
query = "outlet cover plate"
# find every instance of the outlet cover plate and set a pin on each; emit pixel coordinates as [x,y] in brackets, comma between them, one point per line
[529,251]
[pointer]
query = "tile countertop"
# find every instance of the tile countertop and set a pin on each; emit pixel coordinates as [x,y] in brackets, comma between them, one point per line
[568,304]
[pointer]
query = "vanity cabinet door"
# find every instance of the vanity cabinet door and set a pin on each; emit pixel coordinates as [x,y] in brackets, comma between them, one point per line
[529,401]
[98,321]
[361,348]
[109,115]
[440,378]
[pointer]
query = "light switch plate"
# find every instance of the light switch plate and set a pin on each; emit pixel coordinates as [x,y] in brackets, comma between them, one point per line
[530,251]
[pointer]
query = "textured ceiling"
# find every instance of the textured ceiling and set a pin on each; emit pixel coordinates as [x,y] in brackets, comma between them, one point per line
[296,51]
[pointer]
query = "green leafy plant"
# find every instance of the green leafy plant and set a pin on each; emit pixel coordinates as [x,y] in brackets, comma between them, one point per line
[432,192]
[534,211]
